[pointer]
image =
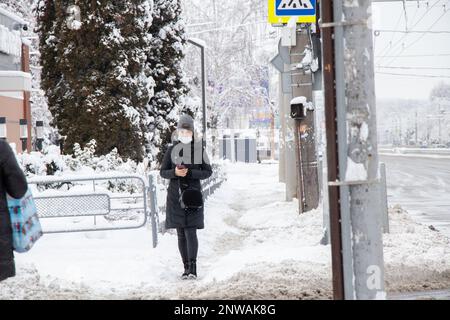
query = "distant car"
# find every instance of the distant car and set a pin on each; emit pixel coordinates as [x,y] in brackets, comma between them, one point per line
[439,145]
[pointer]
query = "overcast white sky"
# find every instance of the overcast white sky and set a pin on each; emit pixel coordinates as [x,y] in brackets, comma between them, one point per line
[390,16]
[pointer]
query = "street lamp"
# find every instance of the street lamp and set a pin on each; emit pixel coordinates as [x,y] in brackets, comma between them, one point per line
[2,128]
[202,46]
[23,133]
[39,134]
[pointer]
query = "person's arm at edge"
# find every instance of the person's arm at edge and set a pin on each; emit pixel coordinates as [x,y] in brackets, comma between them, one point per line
[13,177]
[166,171]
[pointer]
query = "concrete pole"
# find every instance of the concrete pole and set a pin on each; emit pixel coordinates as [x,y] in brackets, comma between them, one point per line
[305,129]
[358,154]
[290,149]
[282,137]
[383,199]
[272,135]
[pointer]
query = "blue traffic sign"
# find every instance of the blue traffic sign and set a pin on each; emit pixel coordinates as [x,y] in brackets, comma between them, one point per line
[295,7]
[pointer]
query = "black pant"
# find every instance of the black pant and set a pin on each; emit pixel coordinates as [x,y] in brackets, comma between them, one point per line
[188,243]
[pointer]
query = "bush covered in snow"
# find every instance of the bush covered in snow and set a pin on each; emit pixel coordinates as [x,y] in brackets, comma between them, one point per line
[51,162]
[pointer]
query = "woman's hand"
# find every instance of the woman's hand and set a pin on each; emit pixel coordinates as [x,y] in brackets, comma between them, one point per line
[181,172]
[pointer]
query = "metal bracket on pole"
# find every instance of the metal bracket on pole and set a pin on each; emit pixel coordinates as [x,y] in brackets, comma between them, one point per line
[352,183]
[342,23]
[296,85]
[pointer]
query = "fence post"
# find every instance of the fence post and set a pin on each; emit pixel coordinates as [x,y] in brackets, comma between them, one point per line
[153,209]
[384,201]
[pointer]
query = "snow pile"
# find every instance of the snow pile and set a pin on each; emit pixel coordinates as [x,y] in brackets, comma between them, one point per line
[255,246]
[416,257]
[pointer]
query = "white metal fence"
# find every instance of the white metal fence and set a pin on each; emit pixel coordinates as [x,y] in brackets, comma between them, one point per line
[106,202]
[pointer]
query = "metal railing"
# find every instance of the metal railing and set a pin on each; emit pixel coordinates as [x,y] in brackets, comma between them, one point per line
[75,205]
[97,203]
[106,202]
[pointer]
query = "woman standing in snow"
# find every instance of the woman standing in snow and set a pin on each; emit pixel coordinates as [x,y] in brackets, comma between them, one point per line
[185,163]
[13,182]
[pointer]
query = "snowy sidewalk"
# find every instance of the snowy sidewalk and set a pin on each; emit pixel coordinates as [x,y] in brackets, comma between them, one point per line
[254,246]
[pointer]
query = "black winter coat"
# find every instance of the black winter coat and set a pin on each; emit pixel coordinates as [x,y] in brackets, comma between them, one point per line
[13,182]
[177,217]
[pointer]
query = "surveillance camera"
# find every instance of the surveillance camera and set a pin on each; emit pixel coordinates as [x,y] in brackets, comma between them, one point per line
[299,108]
[21,26]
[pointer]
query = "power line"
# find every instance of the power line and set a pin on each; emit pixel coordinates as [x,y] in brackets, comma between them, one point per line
[415,13]
[200,24]
[414,31]
[416,55]
[393,36]
[415,24]
[418,68]
[420,19]
[418,39]
[228,27]
[427,31]
[413,75]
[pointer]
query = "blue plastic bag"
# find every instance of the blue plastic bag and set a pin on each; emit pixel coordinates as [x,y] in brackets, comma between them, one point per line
[26,228]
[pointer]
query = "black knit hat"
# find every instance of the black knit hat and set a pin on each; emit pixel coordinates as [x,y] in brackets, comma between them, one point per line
[186,122]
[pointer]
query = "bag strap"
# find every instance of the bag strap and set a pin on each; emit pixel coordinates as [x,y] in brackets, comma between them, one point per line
[179,186]
[180,190]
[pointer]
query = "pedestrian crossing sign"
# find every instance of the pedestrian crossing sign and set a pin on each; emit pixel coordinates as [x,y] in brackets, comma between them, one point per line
[280,11]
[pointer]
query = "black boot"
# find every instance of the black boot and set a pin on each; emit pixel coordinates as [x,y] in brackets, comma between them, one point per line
[185,274]
[192,269]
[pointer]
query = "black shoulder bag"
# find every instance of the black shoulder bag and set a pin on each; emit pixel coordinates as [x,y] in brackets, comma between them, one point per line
[191,199]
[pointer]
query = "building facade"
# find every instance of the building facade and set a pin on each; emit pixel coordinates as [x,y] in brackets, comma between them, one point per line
[15,83]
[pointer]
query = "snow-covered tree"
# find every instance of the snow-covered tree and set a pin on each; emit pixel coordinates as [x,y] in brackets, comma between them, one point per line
[441,91]
[240,44]
[440,100]
[165,58]
[94,72]
[237,37]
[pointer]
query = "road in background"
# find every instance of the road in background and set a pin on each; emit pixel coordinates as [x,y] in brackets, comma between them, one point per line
[421,186]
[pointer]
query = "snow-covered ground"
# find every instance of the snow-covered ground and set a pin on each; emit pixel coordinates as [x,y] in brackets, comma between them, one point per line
[254,246]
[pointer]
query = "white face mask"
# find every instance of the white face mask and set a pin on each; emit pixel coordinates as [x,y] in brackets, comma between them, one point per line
[185,140]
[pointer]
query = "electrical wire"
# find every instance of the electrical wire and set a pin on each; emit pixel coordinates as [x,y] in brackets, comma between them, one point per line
[418,39]
[393,36]
[418,55]
[413,75]
[227,28]
[415,31]
[414,25]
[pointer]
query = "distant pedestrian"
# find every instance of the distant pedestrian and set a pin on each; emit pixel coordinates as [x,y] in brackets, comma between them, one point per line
[13,182]
[185,163]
